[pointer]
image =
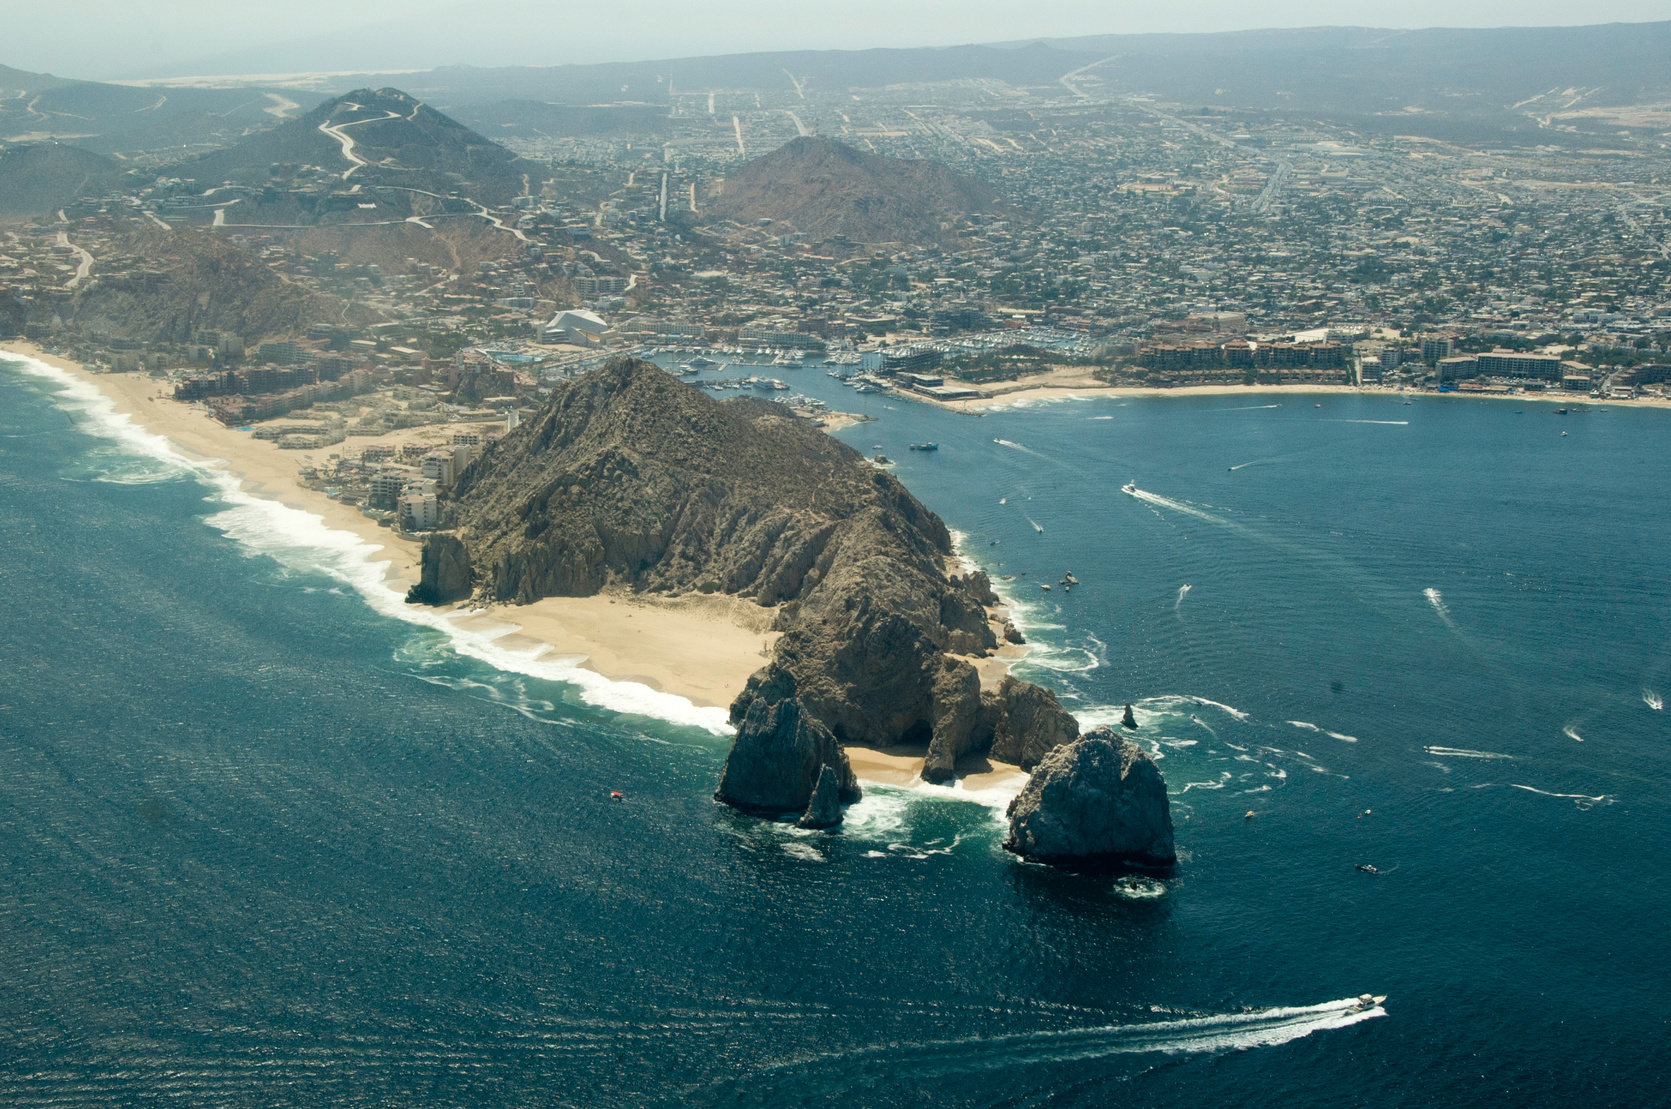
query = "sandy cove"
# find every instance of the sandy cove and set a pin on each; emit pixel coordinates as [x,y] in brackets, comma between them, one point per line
[701,648]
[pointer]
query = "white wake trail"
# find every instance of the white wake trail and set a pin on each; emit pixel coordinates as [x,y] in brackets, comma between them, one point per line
[1189,1036]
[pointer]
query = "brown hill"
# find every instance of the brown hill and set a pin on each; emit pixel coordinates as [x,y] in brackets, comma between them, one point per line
[826,188]
[167,285]
[629,477]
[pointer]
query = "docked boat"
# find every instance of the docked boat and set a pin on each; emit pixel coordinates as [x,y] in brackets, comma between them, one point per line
[702,363]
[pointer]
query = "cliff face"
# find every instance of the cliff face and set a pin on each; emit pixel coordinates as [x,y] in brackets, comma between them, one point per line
[629,477]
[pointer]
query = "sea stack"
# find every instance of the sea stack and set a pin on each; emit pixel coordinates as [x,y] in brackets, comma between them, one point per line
[1096,803]
[446,575]
[824,810]
[782,756]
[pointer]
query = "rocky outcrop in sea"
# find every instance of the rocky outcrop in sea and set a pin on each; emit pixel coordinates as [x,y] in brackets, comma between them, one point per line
[1096,802]
[631,478]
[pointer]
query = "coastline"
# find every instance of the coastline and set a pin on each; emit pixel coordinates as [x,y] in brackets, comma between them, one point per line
[700,649]
[1079,387]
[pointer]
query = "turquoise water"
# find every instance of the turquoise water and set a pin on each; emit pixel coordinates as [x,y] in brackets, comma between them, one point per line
[267,843]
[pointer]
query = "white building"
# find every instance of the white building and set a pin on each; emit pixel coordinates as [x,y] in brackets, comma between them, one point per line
[419,511]
[578,327]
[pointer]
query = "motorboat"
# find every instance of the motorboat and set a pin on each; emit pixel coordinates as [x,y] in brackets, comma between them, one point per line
[1366,1001]
[925,446]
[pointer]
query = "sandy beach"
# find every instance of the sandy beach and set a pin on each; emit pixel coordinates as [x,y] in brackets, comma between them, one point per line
[1076,384]
[701,648]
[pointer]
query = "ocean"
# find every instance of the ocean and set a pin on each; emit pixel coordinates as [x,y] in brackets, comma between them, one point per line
[270,840]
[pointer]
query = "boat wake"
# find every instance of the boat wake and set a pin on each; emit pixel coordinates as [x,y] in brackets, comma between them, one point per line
[1188,1036]
[1464,753]
[1255,462]
[1183,591]
[1395,423]
[1652,700]
[1582,800]
[1571,732]
[1324,731]
[1437,600]
[1252,407]
[1018,447]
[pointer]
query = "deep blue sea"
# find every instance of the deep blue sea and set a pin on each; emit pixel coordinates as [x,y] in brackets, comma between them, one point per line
[267,843]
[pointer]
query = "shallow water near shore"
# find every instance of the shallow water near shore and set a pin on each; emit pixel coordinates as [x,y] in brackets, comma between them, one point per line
[266,845]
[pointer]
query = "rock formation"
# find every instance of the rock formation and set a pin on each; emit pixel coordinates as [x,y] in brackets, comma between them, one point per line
[633,479]
[1096,802]
[445,575]
[824,810]
[781,755]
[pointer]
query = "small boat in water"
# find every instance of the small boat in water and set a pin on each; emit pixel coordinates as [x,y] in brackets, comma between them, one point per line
[1369,868]
[1044,586]
[925,446]
[1367,1001]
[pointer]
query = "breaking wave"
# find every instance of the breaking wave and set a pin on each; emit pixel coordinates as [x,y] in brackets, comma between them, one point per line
[1464,753]
[301,541]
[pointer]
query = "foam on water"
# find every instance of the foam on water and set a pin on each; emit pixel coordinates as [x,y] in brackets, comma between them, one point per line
[1571,732]
[1652,700]
[301,541]
[1464,753]
[1215,1033]
[1437,600]
[1183,591]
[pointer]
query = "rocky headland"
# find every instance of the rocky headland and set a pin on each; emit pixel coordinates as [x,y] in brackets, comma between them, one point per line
[628,478]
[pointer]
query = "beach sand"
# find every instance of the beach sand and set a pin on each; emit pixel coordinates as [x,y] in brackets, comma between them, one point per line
[1077,384]
[903,766]
[701,648]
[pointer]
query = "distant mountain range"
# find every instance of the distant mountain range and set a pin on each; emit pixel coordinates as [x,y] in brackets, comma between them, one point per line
[112,119]
[825,188]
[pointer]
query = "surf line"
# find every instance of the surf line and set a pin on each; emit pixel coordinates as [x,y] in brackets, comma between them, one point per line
[301,540]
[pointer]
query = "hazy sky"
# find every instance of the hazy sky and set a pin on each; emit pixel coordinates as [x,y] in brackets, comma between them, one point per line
[113,39]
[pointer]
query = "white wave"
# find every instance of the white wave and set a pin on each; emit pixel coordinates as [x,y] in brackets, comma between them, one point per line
[300,540]
[803,851]
[1571,732]
[1437,600]
[1139,889]
[1224,776]
[1187,1036]
[1652,700]
[1464,753]
[1396,423]
[157,458]
[1323,731]
[1102,417]
[1582,800]
[1183,591]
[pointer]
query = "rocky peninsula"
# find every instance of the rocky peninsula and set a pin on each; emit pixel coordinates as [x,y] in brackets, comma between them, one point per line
[628,478]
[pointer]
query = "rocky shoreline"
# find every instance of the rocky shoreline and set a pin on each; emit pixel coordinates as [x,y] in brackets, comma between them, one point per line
[629,478]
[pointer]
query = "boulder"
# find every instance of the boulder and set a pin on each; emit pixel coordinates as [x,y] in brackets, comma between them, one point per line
[781,752]
[1027,722]
[1012,634]
[1099,801]
[824,810]
[445,574]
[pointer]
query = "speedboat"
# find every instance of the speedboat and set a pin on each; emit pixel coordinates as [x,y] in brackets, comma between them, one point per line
[1368,1001]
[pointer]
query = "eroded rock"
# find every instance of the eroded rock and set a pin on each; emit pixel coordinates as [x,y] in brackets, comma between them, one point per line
[1098,801]
[445,573]
[824,810]
[780,753]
